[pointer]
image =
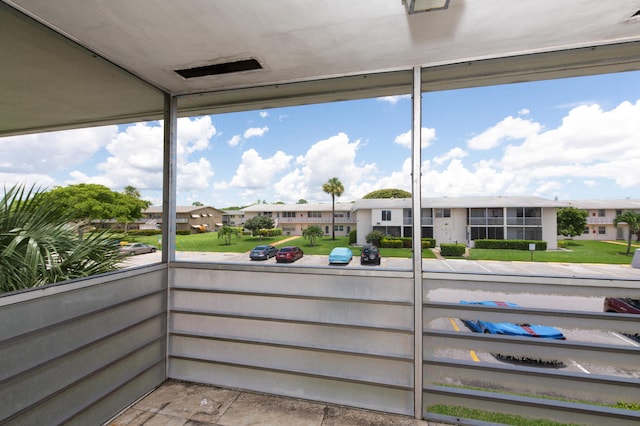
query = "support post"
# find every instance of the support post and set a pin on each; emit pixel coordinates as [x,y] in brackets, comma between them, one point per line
[170,161]
[416,234]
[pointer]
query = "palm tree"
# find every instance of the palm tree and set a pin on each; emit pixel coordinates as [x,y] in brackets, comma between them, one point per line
[39,246]
[335,188]
[632,220]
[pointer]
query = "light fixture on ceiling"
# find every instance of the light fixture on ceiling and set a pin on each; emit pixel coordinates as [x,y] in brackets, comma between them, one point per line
[417,6]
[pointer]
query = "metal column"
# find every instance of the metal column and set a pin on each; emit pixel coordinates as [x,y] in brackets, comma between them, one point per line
[416,189]
[170,164]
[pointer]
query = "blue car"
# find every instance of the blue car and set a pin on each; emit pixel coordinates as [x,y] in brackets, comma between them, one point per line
[340,255]
[510,329]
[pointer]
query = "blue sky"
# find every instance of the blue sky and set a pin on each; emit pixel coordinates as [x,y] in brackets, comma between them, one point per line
[573,138]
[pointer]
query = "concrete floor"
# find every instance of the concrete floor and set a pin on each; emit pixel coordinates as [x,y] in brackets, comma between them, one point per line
[189,404]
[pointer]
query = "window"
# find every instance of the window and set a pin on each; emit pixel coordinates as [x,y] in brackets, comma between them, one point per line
[338,228]
[288,214]
[586,230]
[314,214]
[602,230]
[601,213]
[386,214]
[443,212]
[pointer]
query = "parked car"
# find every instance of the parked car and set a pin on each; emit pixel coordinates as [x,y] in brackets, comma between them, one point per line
[340,255]
[131,249]
[510,329]
[370,254]
[289,254]
[262,252]
[622,305]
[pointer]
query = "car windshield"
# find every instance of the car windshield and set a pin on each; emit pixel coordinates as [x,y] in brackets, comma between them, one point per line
[633,302]
[286,249]
[260,248]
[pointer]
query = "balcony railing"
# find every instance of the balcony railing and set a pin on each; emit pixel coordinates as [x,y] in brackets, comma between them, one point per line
[599,220]
[346,336]
[315,220]
[424,221]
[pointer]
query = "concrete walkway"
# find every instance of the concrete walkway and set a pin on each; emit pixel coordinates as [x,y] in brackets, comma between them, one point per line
[179,403]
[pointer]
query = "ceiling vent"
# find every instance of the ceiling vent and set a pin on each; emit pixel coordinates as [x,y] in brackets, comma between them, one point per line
[218,69]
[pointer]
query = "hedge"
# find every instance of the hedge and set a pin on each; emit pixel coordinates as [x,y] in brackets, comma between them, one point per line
[452,249]
[144,232]
[510,244]
[405,242]
[273,232]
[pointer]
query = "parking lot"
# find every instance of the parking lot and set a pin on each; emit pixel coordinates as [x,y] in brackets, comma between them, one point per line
[590,270]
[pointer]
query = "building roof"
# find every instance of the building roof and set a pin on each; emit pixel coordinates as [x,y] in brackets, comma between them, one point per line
[78,63]
[180,209]
[308,207]
[459,202]
[605,204]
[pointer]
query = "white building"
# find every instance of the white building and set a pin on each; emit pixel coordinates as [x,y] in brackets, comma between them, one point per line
[464,219]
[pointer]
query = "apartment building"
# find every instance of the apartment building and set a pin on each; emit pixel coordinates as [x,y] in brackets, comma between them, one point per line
[463,219]
[600,218]
[294,218]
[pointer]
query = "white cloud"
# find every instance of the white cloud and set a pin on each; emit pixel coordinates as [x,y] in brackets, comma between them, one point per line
[509,128]
[35,153]
[255,172]
[255,131]
[393,99]
[590,143]
[235,140]
[452,154]
[332,157]
[136,155]
[428,136]
[590,183]
[264,114]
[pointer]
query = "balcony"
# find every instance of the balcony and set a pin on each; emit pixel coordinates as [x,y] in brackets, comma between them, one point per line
[599,220]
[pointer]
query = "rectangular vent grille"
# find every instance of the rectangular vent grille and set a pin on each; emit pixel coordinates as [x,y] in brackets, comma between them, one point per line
[217,69]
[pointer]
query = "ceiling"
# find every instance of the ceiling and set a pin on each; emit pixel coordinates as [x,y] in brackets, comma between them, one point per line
[73,63]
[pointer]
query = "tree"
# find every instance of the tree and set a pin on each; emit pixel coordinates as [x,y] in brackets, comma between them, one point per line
[197,204]
[85,202]
[302,201]
[38,245]
[336,189]
[571,221]
[132,191]
[388,193]
[312,233]
[257,223]
[227,232]
[632,220]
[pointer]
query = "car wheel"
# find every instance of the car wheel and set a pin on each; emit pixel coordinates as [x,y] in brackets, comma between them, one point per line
[153,250]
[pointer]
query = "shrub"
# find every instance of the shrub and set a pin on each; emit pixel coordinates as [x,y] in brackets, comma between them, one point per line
[353,237]
[273,232]
[391,243]
[374,237]
[452,249]
[510,244]
[562,243]
[183,232]
[428,243]
[145,232]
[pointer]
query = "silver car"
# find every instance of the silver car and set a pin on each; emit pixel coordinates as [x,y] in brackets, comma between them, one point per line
[136,248]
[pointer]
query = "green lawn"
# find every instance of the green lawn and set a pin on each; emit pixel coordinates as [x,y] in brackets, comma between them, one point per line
[576,251]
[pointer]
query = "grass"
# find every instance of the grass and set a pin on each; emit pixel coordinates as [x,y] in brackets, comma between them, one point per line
[488,416]
[575,252]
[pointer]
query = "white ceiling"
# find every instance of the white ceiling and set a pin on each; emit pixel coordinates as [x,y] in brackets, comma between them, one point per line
[310,51]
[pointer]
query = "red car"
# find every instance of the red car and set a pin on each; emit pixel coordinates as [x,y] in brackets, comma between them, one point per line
[622,306]
[289,254]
